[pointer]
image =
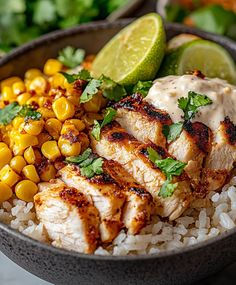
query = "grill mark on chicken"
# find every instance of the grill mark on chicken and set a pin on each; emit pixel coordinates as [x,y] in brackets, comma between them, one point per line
[74,197]
[230,130]
[201,135]
[136,103]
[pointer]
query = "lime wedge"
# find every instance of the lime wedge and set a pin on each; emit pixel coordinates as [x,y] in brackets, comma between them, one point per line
[208,57]
[179,40]
[135,53]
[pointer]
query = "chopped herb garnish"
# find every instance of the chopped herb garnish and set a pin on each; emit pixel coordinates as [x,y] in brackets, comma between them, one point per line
[13,110]
[80,158]
[110,113]
[8,113]
[90,90]
[189,105]
[192,103]
[142,87]
[173,131]
[153,155]
[112,90]
[167,189]
[82,75]
[89,163]
[170,167]
[71,57]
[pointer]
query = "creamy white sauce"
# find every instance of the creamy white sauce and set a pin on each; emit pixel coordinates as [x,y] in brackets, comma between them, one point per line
[166,91]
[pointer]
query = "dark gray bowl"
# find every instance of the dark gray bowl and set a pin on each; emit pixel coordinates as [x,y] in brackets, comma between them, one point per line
[62,267]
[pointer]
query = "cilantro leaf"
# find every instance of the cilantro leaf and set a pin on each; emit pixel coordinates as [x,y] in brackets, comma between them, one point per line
[71,57]
[173,131]
[82,75]
[28,112]
[153,155]
[13,110]
[79,159]
[167,189]
[142,87]
[112,90]
[8,113]
[192,103]
[110,113]
[90,90]
[94,168]
[170,166]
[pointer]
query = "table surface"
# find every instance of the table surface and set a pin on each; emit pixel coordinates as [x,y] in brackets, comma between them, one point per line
[12,274]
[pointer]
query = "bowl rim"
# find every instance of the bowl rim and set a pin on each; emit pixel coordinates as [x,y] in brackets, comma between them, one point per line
[94,26]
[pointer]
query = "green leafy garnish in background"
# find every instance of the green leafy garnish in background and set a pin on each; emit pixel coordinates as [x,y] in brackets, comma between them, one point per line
[71,57]
[82,75]
[13,110]
[88,163]
[23,20]
[110,113]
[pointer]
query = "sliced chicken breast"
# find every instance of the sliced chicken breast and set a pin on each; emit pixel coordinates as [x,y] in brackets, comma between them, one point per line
[142,120]
[70,218]
[116,144]
[222,156]
[139,202]
[106,195]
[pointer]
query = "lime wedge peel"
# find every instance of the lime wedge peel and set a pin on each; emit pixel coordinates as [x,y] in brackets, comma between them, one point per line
[135,53]
[208,57]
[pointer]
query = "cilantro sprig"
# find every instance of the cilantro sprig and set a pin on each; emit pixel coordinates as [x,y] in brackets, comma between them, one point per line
[13,110]
[190,106]
[142,87]
[110,113]
[170,167]
[71,57]
[88,163]
[82,75]
[90,90]
[112,90]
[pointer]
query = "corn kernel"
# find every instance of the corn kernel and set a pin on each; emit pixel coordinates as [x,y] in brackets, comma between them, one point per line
[5,192]
[18,88]
[8,175]
[52,66]
[42,138]
[33,100]
[7,94]
[5,156]
[22,142]
[53,127]
[29,172]
[67,148]
[17,122]
[66,128]
[44,101]
[29,155]
[10,81]
[63,109]
[26,190]
[94,104]
[3,145]
[74,100]
[32,73]
[46,113]
[23,98]
[38,156]
[90,117]
[39,84]
[57,80]
[17,163]
[80,125]
[48,173]
[34,127]
[84,140]
[51,150]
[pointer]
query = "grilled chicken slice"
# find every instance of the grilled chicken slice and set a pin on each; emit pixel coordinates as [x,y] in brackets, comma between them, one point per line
[142,120]
[222,156]
[106,195]
[71,220]
[46,186]
[192,146]
[139,202]
[116,144]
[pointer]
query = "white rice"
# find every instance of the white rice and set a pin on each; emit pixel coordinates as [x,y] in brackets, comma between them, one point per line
[194,226]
